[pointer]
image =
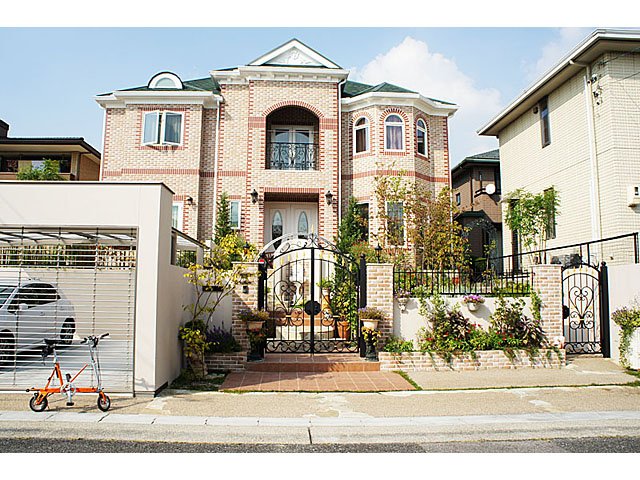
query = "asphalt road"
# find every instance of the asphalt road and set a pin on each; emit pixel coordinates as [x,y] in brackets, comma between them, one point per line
[621,444]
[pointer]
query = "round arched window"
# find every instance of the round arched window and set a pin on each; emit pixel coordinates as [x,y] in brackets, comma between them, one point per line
[393,133]
[361,135]
[421,137]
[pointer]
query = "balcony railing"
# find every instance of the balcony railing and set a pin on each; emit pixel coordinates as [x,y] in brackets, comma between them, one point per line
[292,156]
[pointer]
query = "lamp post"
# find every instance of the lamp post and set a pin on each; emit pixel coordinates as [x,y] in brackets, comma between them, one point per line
[378,250]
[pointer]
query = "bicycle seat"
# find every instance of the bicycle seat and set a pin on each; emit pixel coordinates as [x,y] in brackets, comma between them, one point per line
[50,342]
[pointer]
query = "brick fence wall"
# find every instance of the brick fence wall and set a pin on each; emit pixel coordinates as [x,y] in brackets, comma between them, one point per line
[480,360]
[547,282]
[244,297]
[226,362]
[380,295]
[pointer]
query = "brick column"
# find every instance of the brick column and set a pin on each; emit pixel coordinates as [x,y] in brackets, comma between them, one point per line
[244,297]
[547,282]
[380,295]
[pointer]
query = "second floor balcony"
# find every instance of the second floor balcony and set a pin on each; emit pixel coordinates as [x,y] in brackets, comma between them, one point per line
[292,156]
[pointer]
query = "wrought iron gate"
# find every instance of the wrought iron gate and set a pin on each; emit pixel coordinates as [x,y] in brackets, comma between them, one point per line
[312,293]
[585,308]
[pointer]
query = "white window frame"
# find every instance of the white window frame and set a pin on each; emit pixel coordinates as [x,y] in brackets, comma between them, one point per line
[177,83]
[180,218]
[422,129]
[161,116]
[239,202]
[404,224]
[402,134]
[367,136]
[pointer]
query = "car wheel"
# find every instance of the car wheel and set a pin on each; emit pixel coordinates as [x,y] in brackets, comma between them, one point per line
[7,349]
[67,331]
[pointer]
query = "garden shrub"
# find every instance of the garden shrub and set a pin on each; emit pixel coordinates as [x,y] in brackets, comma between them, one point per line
[398,345]
[222,341]
[514,327]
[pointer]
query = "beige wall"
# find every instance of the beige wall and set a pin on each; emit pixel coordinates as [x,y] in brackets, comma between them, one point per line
[624,291]
[566,163]
[146,207]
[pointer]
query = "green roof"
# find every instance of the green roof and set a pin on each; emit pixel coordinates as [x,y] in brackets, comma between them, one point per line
[353,89]
[492,156]
[206,84]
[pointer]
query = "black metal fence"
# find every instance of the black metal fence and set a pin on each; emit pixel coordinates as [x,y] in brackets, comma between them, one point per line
[459,282]
[618,250]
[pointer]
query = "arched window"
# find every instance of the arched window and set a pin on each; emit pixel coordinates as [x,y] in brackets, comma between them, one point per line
[393,133]
[421,137]
[276,227]
[361,135]
[303,224]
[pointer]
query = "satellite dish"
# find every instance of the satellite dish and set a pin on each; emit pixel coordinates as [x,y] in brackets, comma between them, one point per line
[490,189]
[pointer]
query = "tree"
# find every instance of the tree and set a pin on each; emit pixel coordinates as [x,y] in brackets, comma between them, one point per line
[49,170]
[351,229]
[532,216]
[439,241]
[223,218]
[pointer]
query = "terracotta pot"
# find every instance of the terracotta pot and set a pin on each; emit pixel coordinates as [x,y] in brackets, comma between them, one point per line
[344,330]
[370,323]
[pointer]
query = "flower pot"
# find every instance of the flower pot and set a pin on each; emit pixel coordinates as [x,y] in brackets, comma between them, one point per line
[472,306]
[370,323]
[255,325]
[402,303]
[344,330]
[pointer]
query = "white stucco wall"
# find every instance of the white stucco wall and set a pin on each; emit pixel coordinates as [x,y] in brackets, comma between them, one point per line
[144,206]
[406,324]
[624,291]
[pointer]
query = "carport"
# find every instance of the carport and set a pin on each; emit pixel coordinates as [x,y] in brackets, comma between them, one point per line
[85,258]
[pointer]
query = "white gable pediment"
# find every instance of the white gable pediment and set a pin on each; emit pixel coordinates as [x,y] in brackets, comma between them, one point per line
[294,53]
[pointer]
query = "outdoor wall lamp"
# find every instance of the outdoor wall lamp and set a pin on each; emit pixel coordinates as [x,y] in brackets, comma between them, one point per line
[190,201]
[254,196]
[329,197]
[378,250]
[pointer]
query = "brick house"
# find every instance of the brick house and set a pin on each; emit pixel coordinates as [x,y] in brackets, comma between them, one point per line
[475,184]
[77,159]
[576,129]
[287,137]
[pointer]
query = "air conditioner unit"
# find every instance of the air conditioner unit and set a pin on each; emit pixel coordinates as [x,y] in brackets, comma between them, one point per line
[633,195]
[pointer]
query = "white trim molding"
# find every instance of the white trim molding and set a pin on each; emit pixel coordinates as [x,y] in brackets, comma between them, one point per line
[157,78]
[174,97]
[427,105]
[294,52]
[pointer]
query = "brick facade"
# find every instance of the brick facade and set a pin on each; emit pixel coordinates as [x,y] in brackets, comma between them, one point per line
[232,156]
[380,295]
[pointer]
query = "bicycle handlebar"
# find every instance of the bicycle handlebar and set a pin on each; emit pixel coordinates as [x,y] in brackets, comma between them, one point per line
[93,339]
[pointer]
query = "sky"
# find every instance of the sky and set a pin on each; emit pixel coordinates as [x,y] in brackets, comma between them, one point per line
[54,73]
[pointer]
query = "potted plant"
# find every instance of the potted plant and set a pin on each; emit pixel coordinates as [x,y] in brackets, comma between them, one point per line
[344,328]
[255,319]
[628,319]
[370,317]
[370,337]
[402,296]
[472,301]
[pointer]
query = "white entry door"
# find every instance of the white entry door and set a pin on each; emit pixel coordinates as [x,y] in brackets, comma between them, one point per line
[284,218]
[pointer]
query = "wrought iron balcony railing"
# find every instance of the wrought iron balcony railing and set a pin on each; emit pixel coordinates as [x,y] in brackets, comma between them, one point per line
[292,156]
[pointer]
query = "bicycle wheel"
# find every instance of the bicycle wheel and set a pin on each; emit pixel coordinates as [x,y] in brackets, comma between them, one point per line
[104,402]
[38,407]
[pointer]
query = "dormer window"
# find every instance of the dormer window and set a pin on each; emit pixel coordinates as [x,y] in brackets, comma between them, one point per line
[162,128]
[166,81]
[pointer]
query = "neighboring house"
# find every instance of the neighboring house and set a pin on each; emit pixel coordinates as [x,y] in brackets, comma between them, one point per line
[475,182]
[77,159]
[287,137]
[577,129]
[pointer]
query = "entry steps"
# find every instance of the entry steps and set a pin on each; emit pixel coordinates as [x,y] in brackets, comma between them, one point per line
[319,362]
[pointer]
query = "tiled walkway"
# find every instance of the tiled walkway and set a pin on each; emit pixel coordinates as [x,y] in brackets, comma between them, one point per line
[316,382]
